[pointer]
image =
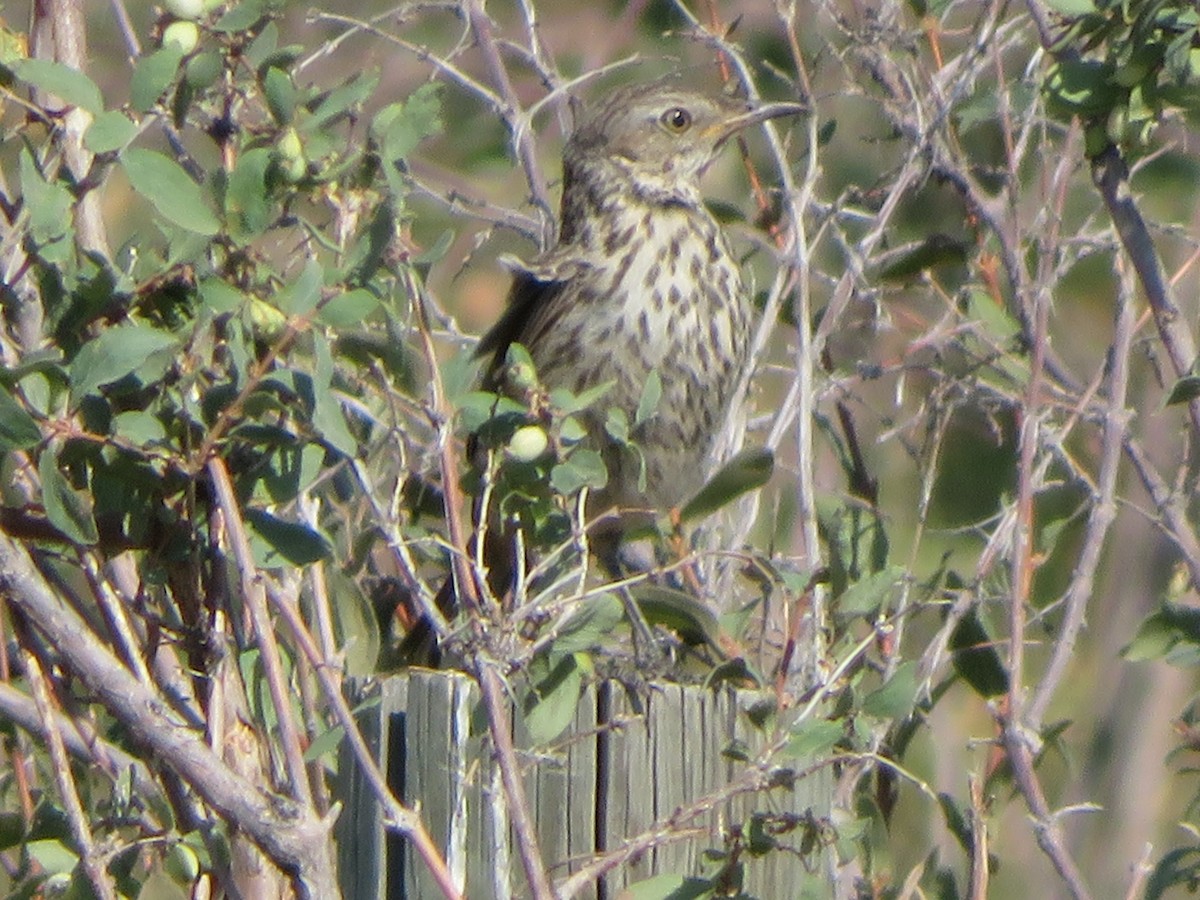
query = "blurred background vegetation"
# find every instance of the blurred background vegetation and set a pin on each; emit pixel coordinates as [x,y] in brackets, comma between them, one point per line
[977,306]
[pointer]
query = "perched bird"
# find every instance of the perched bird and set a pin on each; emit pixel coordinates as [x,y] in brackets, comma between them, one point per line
[641,281]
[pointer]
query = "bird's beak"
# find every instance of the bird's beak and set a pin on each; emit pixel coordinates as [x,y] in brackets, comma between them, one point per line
[753,114]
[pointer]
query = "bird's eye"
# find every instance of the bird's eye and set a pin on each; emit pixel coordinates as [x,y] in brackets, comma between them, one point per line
[676,119]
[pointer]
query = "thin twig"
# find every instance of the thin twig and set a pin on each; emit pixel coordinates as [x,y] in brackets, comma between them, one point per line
[254,596]
[92,864]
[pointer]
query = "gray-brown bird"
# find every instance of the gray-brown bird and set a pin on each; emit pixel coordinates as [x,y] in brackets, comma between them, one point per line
[642,280]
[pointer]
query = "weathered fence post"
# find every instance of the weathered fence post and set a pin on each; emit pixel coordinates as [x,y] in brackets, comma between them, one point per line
[623,766]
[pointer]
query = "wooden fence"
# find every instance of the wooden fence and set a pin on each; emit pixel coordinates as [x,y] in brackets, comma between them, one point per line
[600,785]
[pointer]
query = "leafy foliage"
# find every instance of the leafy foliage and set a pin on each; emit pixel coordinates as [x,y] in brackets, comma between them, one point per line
[247,448]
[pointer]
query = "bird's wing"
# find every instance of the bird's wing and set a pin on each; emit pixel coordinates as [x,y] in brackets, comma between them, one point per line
[534,287]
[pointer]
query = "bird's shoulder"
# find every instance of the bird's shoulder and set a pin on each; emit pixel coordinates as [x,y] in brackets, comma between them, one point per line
[535,283]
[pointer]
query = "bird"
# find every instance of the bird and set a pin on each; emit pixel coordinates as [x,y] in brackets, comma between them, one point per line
[641,283]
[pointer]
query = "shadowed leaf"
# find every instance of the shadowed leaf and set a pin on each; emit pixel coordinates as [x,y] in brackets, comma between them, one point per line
[69,510]
[747,471]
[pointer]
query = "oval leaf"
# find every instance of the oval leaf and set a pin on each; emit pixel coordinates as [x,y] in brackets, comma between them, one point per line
[1185,390]
[894,700]
[69,85]
[277,542]
[69,510]
[551,706]
[114,354]
[18,429]
[747,471]
[111,131]
[152,75]
[868,595]
[167,186]
[812,738]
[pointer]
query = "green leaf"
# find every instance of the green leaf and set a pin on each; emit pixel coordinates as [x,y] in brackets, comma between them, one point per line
[1072,8]
[616,424]
[277,542]
[69,85]
[220,296]
[1081,87]
[140,427]
[302,295]
[552,703]
[113,354]
[895,699]
[692,619]
[358,632]
[1185,390]
[18,429]
[813,738]
[242,17]
[327,742]
[328,417]
[52,855]
[349,309]
[591,625]
[280,94]
[1178,868]
[973,652]
[168,187]
[669,887]
[340,102]
[203,70]
[152,75]
[996,320]
[68,510]
[870,595]
[49,204]
[567,402]
[399,127]
[159,886]
[1154,639]
[648,401]
[247,204]
[1184,619]
[110,131]
[747,471]
[583,468]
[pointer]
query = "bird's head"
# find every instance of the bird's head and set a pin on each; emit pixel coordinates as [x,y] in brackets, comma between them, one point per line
[662,136]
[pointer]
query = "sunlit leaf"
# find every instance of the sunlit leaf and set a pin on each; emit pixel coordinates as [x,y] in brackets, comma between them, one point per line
[552,703]
[52,856]
[349,309]
[591,625]
[869,595]
[648,401]
[1072,8]
[895,699]
[583,468]
[169,189]
[813,738]
[114,354]
[152,75]
[69,85]
[110,131]
[668,887]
